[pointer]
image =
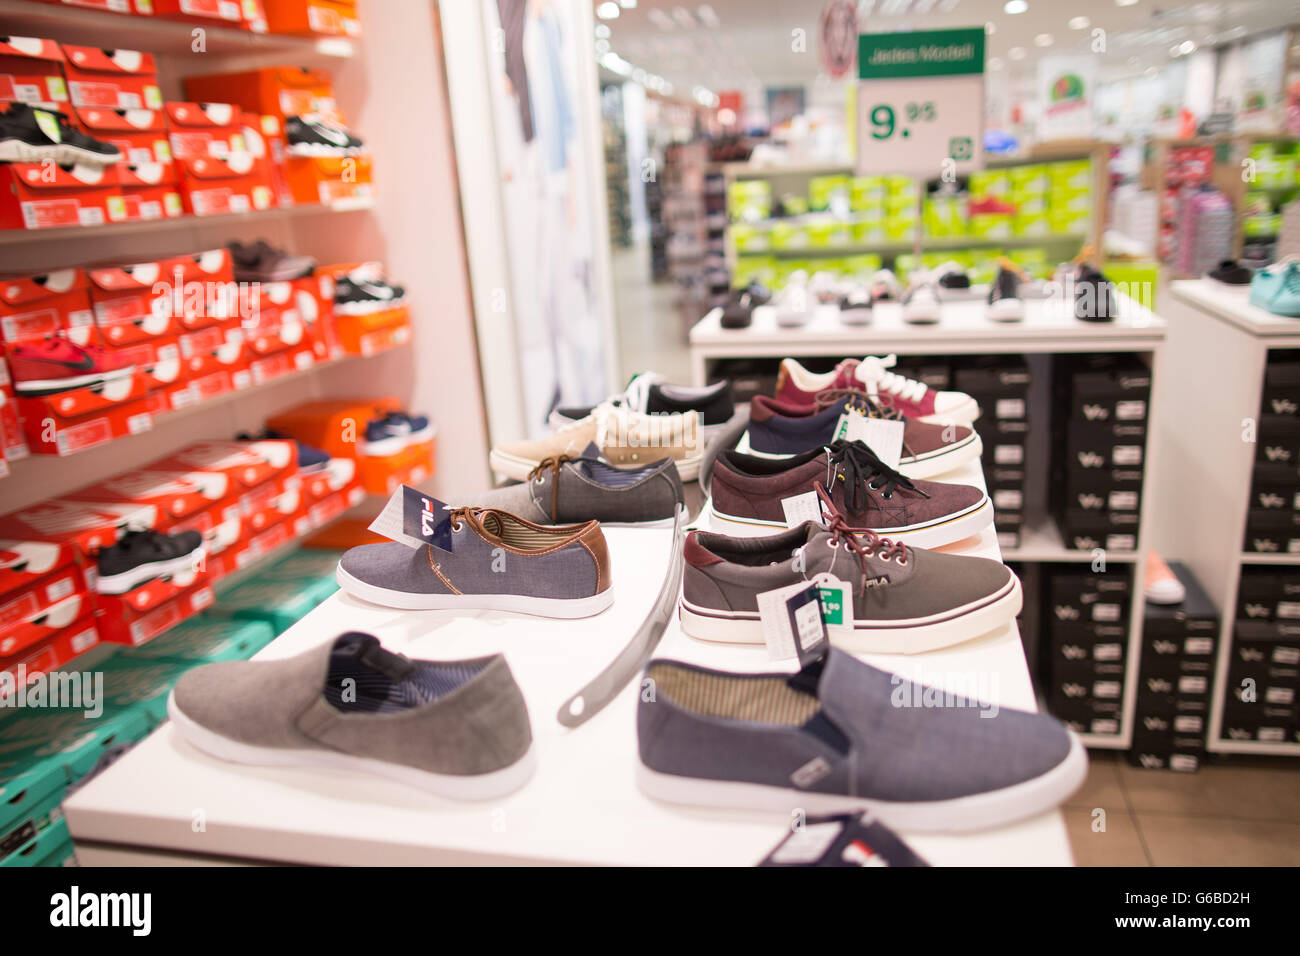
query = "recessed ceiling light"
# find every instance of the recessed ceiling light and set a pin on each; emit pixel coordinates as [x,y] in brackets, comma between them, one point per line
[1043,39]
[683,18]
[627,4]
[995,64]
[707,15]
[1186,48]
[990,28]
[602,46]
[1015,6]
[1080,23]
[1016,53]
[1150,71]
[608,10]
[660,19]
[1125,3]
[602,31]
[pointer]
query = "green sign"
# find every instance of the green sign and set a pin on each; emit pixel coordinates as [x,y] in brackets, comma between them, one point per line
[887,56]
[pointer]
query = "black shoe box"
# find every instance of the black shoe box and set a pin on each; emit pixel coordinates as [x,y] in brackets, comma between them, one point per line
[1093,530]
[1079,705]
[1272,532]
[1102,689]
[1241,731]
[1101,726]
[1007,455]
[1266,594]
[1007,540]
[1268,644]
[1169,727]
[1096,447]
[1093,495]
[998,477]
[1275,487]
[1086,607]
[1278,440]
[1002,431]
[1281,389]
[1007,519]
[936,375]
[1008,506]
[992,376]
[1166,757]
[1193,624]
[1114,395]
[1001,407]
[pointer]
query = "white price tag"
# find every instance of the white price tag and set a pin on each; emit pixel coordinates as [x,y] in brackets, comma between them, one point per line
[837,606]
[791,618]
[801,508]
[884,436]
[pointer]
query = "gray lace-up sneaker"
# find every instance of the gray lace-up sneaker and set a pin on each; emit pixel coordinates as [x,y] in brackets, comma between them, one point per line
[567,490]
[841,735]
[455,728]
[498,562]
[905,601]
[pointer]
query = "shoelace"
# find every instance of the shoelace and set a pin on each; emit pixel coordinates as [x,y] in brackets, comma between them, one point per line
[873,406]
[862,542]
[861,471]
[553,464]
[873,371]
[637,394]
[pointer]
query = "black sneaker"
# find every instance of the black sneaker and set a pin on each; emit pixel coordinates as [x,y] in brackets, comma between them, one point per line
[140,556]
[357,296]
[856,305]
[1231,272]
[953,277]
[1005,304]
[29,134]
[738,311]
[312,136]
[1094,297]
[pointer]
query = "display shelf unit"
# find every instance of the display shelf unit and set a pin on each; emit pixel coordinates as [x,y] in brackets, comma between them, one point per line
[116,230]
[1207,458]
[1049,328]
[70,24]
[290,815]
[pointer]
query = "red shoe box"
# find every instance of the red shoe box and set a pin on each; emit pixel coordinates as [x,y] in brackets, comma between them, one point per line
[132,303]
[140,135]
[34,613]
[198,130]
[280,322]
[271,134]
[330,180]
[338,475]
[13,444]
[333,425]
[215,12]
[327,509]
[59,531]
[83,418]
[169,495]
[111,79]
[52,653]
[216,372]
[37,196]
[248,466]
[253,16]
[214,187]
[32,307]
[164,369]
[146,195]
[280,91]
[31,71]
[270,367]
[30,566]
[128,607]
[141,8]
[327,17]
[122,624]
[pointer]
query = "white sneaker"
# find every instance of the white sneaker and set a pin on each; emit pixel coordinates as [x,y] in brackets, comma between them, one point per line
[795,303]
[921,302]
[884,287]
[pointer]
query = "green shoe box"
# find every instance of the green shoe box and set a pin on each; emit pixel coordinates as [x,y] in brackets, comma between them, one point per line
[142,686]
[279,603]
[204,640]
[30,796]
[750,238]
[753,268]
[33,737]
[823,189]
[306,563]
[828,235]
[789,235]
[51,847]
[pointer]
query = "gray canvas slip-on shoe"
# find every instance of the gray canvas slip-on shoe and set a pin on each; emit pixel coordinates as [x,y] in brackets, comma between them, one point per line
[572,489]
[458,729]
[905,601]
[841,735]
[497,562]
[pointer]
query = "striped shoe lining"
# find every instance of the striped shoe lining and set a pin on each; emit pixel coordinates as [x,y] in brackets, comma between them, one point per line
[374,692]
[521,536]
[764,699]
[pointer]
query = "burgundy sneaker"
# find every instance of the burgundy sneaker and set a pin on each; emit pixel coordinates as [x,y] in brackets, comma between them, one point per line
[750,495]
[908,397]
[778,429]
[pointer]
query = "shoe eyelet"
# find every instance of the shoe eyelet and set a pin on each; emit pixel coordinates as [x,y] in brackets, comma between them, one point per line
[901,561]
[887,495]
[456,526]
[872,486]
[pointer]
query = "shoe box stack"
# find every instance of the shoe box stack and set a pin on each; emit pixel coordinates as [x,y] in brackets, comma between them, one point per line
[1098,449]
[370,325]
[13,442]
[1175,679]
[1273,518]
[1000,384]
[1086,628]
[277,95]
[245,499]
[339,428]
[717,276]
[1206,231]
[1262,687]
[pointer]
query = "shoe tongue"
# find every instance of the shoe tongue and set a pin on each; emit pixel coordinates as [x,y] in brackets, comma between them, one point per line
[367,649]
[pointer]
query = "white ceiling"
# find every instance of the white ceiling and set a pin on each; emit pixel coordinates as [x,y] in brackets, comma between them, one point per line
[751,44]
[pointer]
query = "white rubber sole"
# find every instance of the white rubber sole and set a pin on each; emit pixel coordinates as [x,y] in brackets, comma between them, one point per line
[930,535]
[515,603]
[512,466]
[320,149]
[1006,310]
[942,461]
[855,317]
[485,786]
[978,811]
[16,151]
[127,580]
[921,316]
[909,636]
[52,386]
[368,308]
[964,414]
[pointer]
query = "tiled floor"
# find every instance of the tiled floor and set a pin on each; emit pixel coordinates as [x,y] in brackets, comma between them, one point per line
[1239,811]
[1236,811]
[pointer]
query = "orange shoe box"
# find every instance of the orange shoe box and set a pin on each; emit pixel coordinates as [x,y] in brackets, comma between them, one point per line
[217,371]
[410,466]
[13,444]
[329,180]
[334,426]
[36,196]
[195,130]
[119,623]
[214,187]
[270,131]
[375,332]
[280,91]
[34,306]
[84,418]
[164,369]
[33,614]
[328,17]
[147,194]
[253,16]
[140,135]
[112,79]
[215,12]
[132,303]
[31,71]
[278,364]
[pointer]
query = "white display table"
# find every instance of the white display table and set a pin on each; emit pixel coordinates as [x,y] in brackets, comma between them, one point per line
[583,805]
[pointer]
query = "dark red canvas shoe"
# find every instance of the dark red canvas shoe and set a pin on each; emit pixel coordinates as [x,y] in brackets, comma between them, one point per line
[872,375]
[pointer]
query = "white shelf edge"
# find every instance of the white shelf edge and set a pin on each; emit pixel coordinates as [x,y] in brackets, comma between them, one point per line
[1264,558]
[1257,747]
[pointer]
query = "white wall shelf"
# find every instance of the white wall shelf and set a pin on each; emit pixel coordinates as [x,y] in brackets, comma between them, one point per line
[1206,464]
